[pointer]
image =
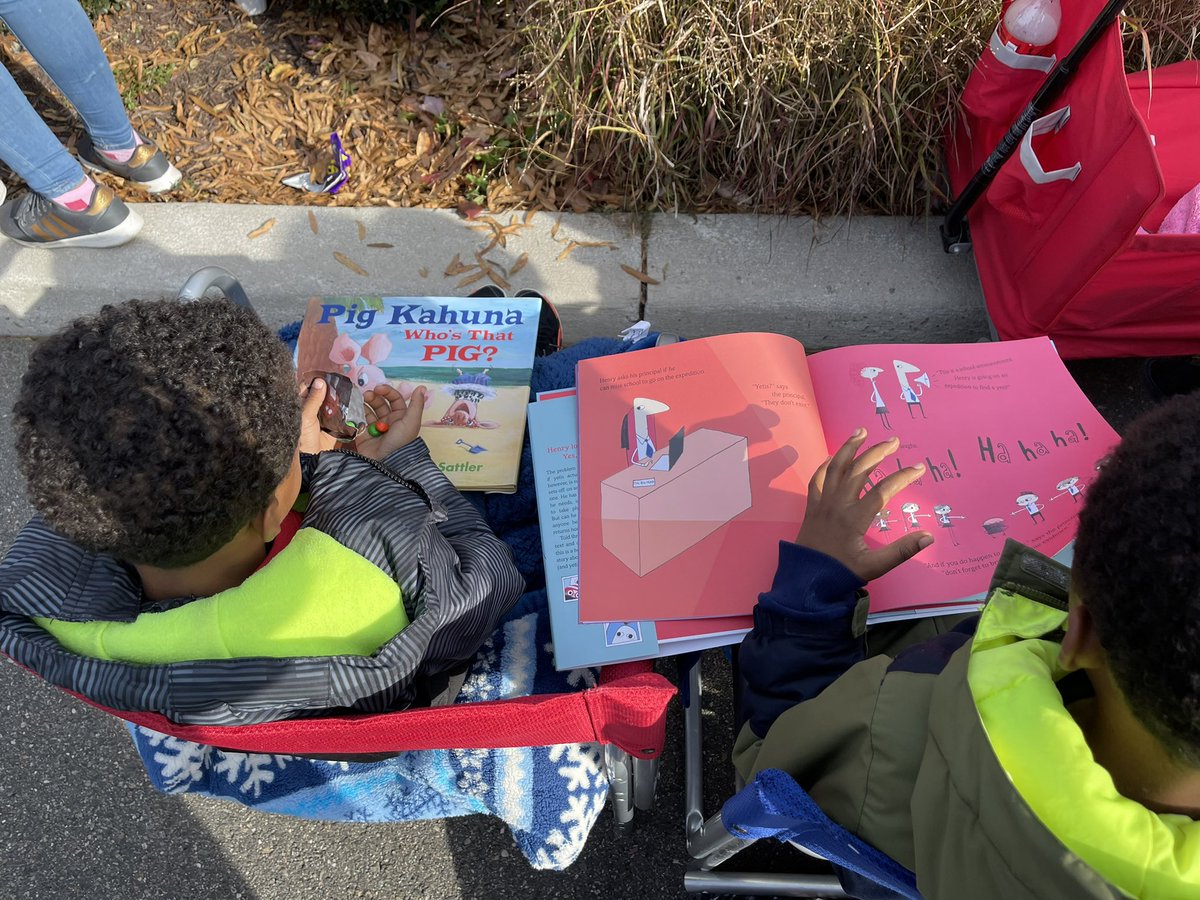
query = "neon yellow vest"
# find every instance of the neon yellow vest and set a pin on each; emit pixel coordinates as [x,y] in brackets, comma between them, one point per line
[315,598]
[1012,674]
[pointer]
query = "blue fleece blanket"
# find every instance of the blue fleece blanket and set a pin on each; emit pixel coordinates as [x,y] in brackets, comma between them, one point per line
[548,796]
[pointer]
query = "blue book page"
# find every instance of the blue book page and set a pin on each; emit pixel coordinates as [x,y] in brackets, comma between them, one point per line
[554,442]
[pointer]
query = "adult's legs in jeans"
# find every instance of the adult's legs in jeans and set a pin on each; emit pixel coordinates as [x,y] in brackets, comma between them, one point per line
[60,37]
[30,148]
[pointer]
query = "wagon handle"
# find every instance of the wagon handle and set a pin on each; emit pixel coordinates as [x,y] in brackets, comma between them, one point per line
[215,277]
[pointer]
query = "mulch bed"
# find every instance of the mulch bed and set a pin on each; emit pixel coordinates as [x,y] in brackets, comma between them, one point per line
[429,118]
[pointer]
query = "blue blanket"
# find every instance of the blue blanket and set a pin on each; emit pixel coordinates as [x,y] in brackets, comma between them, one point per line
[548,796]
[550,823]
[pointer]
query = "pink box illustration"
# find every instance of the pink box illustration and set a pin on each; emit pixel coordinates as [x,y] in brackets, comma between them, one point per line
[649,516]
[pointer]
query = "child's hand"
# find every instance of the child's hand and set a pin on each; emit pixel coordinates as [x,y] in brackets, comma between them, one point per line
[312,438]
[403,420]
[838,513]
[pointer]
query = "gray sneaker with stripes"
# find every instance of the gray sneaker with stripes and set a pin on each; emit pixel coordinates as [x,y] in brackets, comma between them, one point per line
[37,221]
[148,168]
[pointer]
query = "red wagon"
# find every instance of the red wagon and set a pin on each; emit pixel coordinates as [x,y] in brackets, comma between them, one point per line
[1067,177]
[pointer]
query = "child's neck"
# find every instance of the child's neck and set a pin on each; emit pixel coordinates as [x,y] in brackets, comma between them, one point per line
[1140,767]
[227,568]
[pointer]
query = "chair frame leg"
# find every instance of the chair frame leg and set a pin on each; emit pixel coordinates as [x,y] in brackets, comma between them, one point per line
[708,841]
[761,884]
[645,782]
[619,767]
[693,753]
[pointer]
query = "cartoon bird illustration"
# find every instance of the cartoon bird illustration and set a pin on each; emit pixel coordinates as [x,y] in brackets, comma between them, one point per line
[638,434]
[909,394]
[871,373]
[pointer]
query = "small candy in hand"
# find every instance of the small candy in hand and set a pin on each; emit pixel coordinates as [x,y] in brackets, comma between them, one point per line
[375,429]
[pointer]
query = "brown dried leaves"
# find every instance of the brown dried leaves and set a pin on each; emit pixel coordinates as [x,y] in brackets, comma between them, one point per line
[261,229]
[639,275]
[350,264]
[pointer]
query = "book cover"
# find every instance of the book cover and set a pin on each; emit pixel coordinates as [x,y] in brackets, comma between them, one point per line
[670,441]
[474,355]
[554,442]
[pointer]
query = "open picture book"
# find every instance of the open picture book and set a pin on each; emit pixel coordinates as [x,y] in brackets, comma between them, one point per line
[554,446]
[474,356]
[695,460]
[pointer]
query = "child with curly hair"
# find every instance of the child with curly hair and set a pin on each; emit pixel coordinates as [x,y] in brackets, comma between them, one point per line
[1049,747]
[164,447]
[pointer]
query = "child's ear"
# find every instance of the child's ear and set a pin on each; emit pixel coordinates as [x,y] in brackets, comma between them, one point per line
[270,520]
[267,523]
[1081,648]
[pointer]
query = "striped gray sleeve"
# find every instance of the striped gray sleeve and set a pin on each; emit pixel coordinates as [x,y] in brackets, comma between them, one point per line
[437,547]
[413,461]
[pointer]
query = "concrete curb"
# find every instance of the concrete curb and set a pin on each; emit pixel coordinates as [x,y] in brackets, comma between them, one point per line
[830,283]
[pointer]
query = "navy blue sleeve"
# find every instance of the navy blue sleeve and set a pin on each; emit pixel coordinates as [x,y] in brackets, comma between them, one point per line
[803,636]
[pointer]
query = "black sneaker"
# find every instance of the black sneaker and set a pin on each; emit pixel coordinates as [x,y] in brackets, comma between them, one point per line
[37,221]
[549,333]
[148,168]
[488,290]
[1171,375]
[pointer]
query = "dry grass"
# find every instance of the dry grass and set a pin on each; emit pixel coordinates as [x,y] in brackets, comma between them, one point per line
[820,106]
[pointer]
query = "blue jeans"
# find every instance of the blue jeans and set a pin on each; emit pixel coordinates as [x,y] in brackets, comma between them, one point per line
[61,39]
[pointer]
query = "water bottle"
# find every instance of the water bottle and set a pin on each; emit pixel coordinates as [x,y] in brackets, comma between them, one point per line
[1030,26]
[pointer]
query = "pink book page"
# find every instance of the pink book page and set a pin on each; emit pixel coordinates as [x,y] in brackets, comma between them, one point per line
[694,464]
[1009,440]
[677,629]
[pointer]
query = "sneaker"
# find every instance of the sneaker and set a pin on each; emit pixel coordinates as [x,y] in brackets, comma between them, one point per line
[488,290]
[148,168]
[1171,375]
[36,221]
[550,332]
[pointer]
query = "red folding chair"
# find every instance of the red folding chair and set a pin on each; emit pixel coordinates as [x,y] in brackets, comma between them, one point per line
[626,713]
[1056,173]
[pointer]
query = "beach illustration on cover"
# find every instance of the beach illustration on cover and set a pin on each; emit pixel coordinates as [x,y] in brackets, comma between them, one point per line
[473,356]
[666,499]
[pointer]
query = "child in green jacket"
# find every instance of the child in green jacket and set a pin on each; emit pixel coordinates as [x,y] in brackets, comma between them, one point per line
[1049,747]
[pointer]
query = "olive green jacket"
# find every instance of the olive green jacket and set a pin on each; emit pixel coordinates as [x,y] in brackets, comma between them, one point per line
[905,753]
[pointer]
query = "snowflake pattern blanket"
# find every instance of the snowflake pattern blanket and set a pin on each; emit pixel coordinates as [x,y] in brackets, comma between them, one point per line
[548,796]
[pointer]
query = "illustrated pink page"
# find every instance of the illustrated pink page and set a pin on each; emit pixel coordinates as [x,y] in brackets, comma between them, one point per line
[1009,440]
[681,629]
[694,464]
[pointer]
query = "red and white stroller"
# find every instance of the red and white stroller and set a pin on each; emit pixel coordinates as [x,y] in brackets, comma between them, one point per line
[1067,171]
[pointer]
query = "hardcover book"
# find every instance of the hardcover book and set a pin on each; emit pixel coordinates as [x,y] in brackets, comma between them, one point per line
[695,460]
[554,442]
[474,355]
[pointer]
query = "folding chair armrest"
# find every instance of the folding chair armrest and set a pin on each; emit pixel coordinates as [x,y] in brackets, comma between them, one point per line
[629,712]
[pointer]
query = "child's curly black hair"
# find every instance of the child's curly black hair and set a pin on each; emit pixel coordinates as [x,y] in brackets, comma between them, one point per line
[155,430]
[1137,569]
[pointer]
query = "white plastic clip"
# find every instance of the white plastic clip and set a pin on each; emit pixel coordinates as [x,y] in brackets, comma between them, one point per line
[1033,166]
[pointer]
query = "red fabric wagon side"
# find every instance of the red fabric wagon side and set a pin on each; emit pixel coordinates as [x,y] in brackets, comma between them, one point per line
[1056,235]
